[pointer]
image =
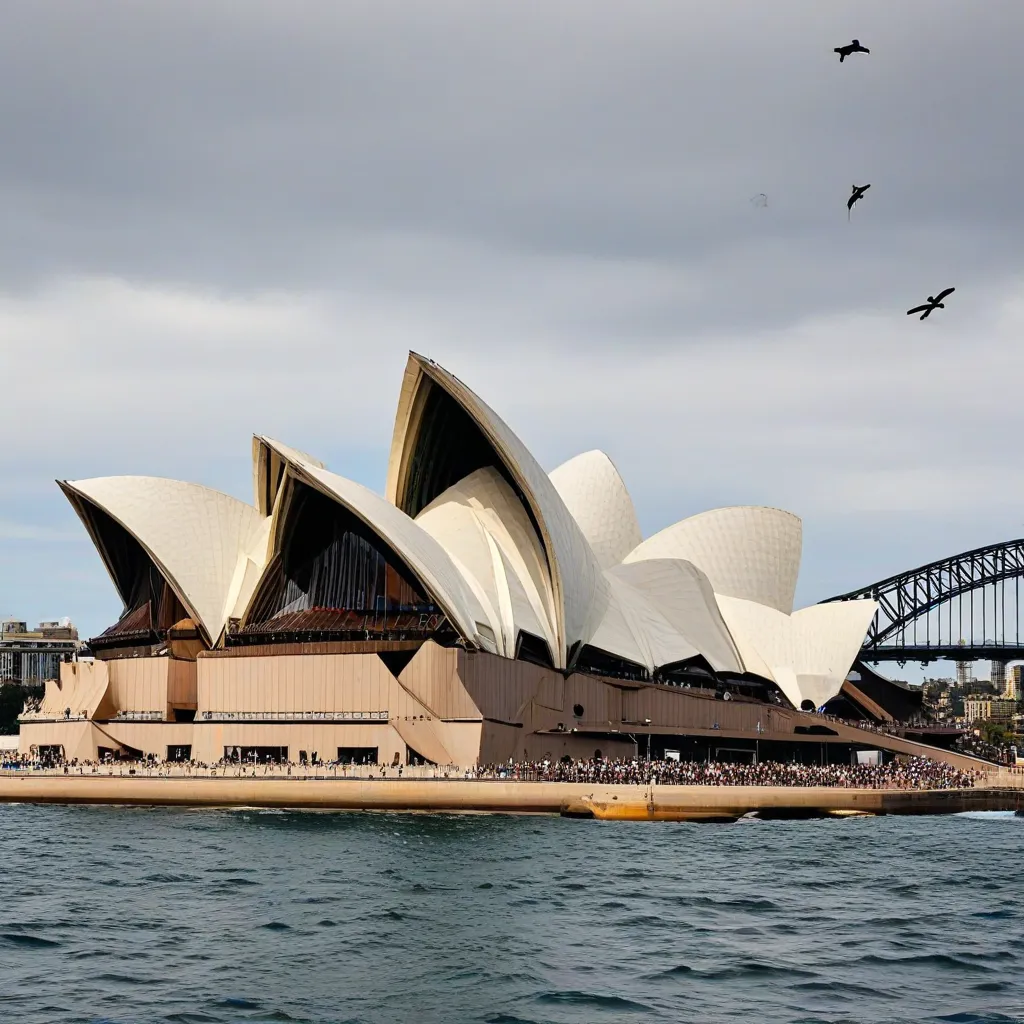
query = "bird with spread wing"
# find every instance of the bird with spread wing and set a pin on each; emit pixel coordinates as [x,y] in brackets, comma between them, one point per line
[850,48]
[933,303]
[858,194]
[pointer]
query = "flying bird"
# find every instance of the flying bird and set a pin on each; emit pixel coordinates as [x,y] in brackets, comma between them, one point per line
[858,194]
[854,47]
[932,304]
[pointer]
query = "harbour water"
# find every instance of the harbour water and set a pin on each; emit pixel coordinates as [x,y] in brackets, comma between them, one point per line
[206,916]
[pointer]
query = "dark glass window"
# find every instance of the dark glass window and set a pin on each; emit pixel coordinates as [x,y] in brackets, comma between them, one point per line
[335,575]
[448,447]
[151,606]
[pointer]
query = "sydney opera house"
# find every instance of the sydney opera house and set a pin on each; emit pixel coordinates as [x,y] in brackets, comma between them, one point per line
[482,609]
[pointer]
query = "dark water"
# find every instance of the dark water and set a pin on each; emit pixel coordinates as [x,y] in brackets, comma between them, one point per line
[111,914]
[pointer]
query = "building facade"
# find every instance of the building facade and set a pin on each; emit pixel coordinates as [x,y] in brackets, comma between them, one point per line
[991,709]
[997,676]
[1014,688]
[964,676]
[480,609]
[30,657]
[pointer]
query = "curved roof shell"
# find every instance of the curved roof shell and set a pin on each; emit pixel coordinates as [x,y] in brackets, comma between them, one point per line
[633,629]
[435,444]
[251,563]
[502,548]
[192,534]
[829,639]
[596,497]
[269,459]
[681,596]
[809,653]
[481,522]
[747,552]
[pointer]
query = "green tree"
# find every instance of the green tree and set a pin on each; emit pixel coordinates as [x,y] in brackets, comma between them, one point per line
[12,701]
[995,733]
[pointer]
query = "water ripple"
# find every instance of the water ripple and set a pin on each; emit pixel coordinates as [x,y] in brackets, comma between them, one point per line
[218,917]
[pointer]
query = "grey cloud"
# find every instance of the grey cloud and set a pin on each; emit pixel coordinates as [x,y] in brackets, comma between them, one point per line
[259,146]
[552,199]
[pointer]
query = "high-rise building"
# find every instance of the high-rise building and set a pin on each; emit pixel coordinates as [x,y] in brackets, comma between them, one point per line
[963,674]
[997,675]
[1014,683]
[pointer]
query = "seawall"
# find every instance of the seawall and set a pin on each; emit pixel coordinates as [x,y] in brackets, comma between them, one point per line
[612,802]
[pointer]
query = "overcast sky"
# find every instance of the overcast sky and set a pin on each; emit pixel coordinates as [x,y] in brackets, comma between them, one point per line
[235,217]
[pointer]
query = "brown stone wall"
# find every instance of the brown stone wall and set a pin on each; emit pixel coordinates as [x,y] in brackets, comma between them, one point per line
[450,705]
[503,689]
[139,684]
[182,684]
[432,677]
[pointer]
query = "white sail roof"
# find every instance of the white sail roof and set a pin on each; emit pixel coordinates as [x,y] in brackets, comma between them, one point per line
[482,523]
[269,458]
[505,549]
[194,535]
[683,598]
[251,563]
[808,653]
[596,497]
[829,639]
[634,629]
[579,590]
[747,552]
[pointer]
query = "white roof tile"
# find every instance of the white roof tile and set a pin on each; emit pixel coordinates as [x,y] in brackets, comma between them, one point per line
[596,497]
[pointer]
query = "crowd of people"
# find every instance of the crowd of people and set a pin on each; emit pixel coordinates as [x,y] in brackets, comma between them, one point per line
[912,773]
[909,773]
[978,746]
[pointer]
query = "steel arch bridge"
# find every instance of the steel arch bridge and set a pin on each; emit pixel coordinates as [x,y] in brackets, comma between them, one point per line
[964,608]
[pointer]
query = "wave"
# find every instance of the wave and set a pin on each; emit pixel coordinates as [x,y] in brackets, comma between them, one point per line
[741,903]
[842,988]
[978,1018]
[28,941]
[123,979]
[774,926]
[591,999]
[733,972]
[945,961]
[237,1003]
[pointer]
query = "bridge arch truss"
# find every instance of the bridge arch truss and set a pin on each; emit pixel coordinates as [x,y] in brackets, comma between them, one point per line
[964,607]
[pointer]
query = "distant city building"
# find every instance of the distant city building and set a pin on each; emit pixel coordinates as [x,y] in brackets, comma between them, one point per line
[1014,682]
[993,709]
[963,673]
[997,676]
[34,656]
